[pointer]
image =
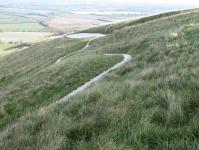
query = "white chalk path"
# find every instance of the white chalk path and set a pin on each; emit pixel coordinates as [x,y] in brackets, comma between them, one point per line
[82,35]
[81,88]
[75,52]
[23,48]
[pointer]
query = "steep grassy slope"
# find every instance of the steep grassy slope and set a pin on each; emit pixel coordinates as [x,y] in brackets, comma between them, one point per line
[152,102]
[30,79]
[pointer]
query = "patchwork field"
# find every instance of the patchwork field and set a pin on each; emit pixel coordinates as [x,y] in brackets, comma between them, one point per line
[22,36]
[18,22]
[17,18]
[26,15]
[76,21]
[3,46]
[34,16]
[15,15]
[23,26]
[61,21]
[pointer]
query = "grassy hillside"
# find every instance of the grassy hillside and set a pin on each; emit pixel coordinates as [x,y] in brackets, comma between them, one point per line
[31,79]
[152,102]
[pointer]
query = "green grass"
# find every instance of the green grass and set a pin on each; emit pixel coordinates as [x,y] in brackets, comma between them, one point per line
[151,102]
[4,53]
[36,76]
[3,46]
[23,26]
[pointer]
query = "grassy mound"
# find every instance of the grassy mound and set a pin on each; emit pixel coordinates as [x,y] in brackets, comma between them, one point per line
[152,102]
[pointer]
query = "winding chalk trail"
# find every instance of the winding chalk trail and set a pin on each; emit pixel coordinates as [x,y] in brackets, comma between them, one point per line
[23,48]
[82,35]
[75,52]
[81,88]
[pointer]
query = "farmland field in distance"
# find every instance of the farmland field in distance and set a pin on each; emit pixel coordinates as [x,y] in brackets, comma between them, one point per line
[6,37]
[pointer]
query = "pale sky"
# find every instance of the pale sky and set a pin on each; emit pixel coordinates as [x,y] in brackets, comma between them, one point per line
[176,2]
